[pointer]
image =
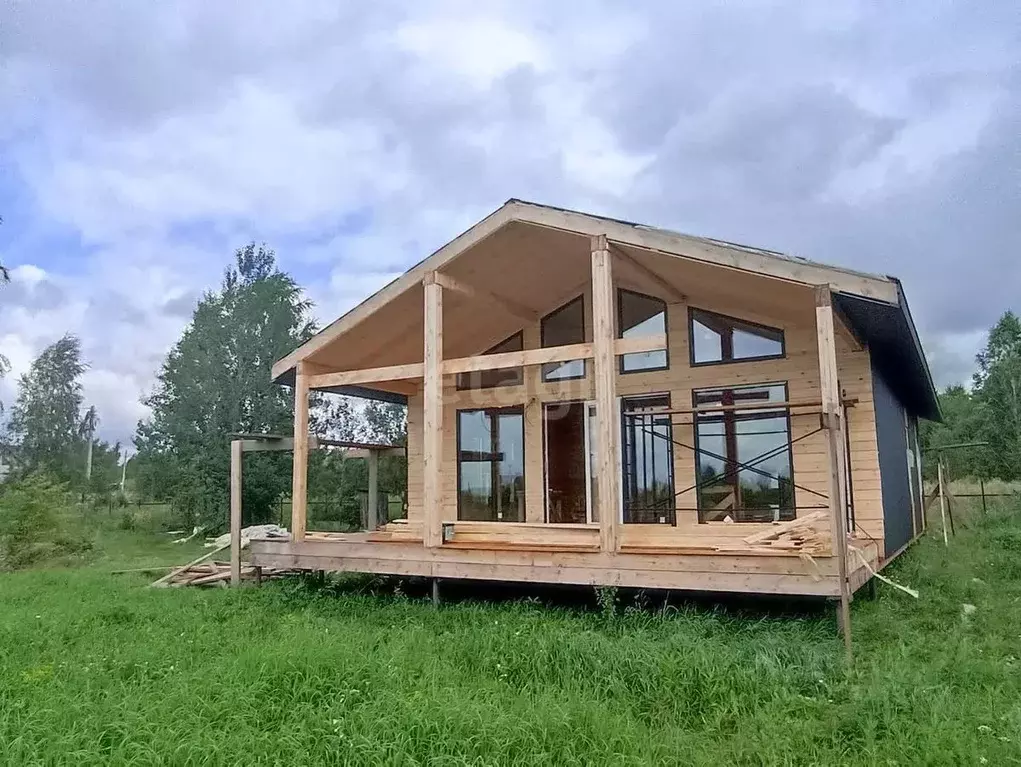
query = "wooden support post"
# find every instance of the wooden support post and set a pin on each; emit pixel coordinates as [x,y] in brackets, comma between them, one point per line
[436,592]
[432,416]
[833,417]
[372,512]
[942,499]
[299,482]
[236,455]
[607,412]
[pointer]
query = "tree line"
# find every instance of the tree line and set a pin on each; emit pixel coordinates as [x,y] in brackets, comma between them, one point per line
[988,411]
[214,383]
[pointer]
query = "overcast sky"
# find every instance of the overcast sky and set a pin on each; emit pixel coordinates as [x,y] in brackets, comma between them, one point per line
[140,143]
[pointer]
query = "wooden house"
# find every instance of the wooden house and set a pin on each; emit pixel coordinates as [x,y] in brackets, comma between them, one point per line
[593,401]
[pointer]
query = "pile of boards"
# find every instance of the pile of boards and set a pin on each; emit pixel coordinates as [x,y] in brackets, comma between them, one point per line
[809,534]
[203,574]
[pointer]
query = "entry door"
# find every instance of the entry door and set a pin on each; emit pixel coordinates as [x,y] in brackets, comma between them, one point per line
[565,429]
[570,430]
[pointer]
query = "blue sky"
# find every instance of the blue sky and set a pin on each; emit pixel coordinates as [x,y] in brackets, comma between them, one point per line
[141,143]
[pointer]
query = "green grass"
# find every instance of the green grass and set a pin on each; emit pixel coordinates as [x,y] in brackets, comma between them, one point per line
[99,669]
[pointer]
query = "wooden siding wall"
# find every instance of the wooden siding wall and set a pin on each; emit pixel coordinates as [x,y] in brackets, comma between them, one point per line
[799,369]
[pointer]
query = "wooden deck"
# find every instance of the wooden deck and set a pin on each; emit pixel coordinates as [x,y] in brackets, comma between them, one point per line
[570,554]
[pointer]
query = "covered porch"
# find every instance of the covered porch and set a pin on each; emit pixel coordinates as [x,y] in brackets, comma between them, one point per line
[413,339]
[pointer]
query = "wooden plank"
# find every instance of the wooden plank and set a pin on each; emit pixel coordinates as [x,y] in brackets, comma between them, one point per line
[605,381]
[299,479]
[368,375]
[432,442]
[669,289]
[515,309]
[372,502]
[236,456]
[830,389]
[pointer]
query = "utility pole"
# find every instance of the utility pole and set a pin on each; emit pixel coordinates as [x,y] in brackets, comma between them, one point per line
[124,471]
[89,429]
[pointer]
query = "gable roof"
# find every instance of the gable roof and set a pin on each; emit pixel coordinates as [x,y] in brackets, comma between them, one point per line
[873,305]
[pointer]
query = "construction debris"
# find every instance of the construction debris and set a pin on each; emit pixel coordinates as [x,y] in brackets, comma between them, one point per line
[215,574]
[203,572]
[248,533]
[806,535]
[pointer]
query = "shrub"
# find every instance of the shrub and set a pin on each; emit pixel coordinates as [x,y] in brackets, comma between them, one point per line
[33,523]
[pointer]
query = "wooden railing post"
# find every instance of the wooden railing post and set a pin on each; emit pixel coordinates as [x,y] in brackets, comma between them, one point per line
[299,481]
[832,421]
[607,411]
[372,502]
[432,416]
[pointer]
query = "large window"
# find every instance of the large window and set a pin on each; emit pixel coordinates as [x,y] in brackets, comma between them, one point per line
[491,465]
[716,338]
[743,454]
[640,316]
[488,379]
[562,327]
[647,460]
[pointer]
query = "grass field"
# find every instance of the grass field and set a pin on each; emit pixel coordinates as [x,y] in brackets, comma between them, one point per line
[99,669]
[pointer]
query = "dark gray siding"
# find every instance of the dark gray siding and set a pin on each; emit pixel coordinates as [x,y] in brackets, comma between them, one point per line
[893,464]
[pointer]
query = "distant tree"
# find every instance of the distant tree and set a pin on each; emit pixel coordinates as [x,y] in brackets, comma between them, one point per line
[216,381]
[45,419]
[997,386]
[386,423]
[962,422]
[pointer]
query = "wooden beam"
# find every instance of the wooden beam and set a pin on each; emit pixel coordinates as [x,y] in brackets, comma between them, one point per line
[834,417]
[368,375]
[726,255]
[236,455]
[638,344]
[405,282]
[605,377]
[372,512]
[550,354]
[299,479]
[275,445]
[522,312]
[517,359]
[432,416]
[668,288]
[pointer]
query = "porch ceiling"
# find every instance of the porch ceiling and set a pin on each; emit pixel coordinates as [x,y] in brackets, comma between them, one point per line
[540,268]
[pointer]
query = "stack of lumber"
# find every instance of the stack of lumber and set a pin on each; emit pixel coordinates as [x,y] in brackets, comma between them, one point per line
[214,574]
[203,574]
[809,534]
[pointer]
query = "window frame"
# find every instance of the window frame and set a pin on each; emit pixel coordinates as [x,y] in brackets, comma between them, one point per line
[520,370]
[620,333]
[542,343]
[735,321]
[509,409]
[729,419]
